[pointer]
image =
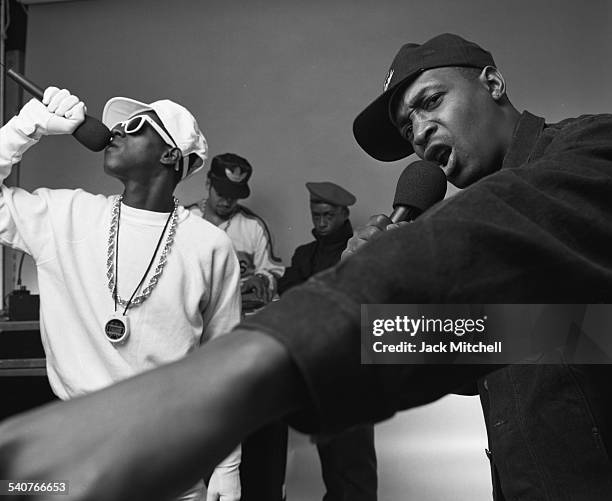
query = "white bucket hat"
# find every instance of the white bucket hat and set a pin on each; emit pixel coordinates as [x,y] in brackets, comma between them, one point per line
[178,121]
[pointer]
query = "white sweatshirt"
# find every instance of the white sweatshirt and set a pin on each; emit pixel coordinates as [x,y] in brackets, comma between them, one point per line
[67,234]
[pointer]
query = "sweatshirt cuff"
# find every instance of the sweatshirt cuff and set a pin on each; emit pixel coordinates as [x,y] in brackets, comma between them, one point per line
[14,142]
[232,461]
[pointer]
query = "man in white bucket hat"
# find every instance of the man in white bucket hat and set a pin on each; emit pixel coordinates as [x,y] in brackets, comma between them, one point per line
[178,128]
[127,282]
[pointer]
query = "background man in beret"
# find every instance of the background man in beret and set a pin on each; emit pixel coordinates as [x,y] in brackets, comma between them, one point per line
[531,226]
[329,205]
[348,460]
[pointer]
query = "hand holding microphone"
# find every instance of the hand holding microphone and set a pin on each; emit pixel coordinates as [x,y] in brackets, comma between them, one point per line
[70,115]
[420,185]
[59,113]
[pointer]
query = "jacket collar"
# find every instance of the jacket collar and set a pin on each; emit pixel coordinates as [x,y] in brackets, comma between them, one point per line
[342,234]
[526,135]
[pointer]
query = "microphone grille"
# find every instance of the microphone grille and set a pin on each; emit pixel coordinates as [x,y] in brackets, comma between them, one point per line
[92,134]
[420,185]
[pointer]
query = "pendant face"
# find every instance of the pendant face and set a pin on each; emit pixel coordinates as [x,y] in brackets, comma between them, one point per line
[117,329]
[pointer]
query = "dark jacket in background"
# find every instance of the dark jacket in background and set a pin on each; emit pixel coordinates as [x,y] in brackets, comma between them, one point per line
[348,460]
[315,256]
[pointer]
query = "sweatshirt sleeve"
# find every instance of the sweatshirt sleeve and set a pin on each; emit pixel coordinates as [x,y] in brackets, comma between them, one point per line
[220,316]
[225,479]
[222,312]
[23,215]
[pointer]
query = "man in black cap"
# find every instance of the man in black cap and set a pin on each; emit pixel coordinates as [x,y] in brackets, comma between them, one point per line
[348,460]
[531,226]
[529,184]
[262,468]
[227,182]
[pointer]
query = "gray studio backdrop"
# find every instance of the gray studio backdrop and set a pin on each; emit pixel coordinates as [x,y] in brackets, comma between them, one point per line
[280,81]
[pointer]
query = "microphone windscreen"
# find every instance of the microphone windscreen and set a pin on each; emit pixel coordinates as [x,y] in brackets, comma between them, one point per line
[420,185]
[92,134]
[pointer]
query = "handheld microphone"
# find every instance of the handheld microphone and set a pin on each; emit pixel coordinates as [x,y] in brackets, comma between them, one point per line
[92,133]
[420,185]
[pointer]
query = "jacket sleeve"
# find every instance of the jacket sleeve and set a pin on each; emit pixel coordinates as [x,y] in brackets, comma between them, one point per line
[538,233]
[292,275]
[263,261]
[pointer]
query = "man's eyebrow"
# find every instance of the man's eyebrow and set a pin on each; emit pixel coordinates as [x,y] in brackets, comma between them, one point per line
[415,102]
[417,99]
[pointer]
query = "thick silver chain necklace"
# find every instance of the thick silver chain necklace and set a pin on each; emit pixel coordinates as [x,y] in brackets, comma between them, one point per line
[111,256]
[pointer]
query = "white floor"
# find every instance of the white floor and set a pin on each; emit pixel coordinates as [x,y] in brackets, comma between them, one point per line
[433,453]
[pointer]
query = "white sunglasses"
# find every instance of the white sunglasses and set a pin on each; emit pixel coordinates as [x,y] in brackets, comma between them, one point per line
[135,123]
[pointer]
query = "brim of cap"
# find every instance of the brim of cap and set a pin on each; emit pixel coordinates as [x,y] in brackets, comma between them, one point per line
[374,131]
[226,188]
[118,109]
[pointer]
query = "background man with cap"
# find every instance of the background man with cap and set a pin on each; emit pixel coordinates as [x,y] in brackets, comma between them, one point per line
[127,282]
[260,269]
[531,226]
[348,460]
[263,462]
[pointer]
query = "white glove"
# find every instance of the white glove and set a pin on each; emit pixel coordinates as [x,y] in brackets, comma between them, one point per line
[224,484]
[59,113]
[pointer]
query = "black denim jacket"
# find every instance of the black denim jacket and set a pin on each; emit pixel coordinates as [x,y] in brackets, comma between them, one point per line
[539,230]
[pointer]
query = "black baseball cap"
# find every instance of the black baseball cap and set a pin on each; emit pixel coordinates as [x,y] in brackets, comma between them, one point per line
[373,128]
[229,174]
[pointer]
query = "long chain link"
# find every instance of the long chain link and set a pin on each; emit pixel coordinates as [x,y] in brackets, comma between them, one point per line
[111,256]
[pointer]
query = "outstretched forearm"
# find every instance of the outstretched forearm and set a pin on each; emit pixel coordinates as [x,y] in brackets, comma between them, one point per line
[154,435]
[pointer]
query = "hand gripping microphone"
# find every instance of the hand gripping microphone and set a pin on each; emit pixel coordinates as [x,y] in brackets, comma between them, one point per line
[419,186]
[92,133]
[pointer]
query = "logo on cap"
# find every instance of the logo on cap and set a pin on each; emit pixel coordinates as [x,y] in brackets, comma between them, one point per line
[388,80]
[235,175]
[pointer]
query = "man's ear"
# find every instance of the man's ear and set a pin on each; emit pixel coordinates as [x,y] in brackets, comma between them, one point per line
[493,81]
[170,156]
